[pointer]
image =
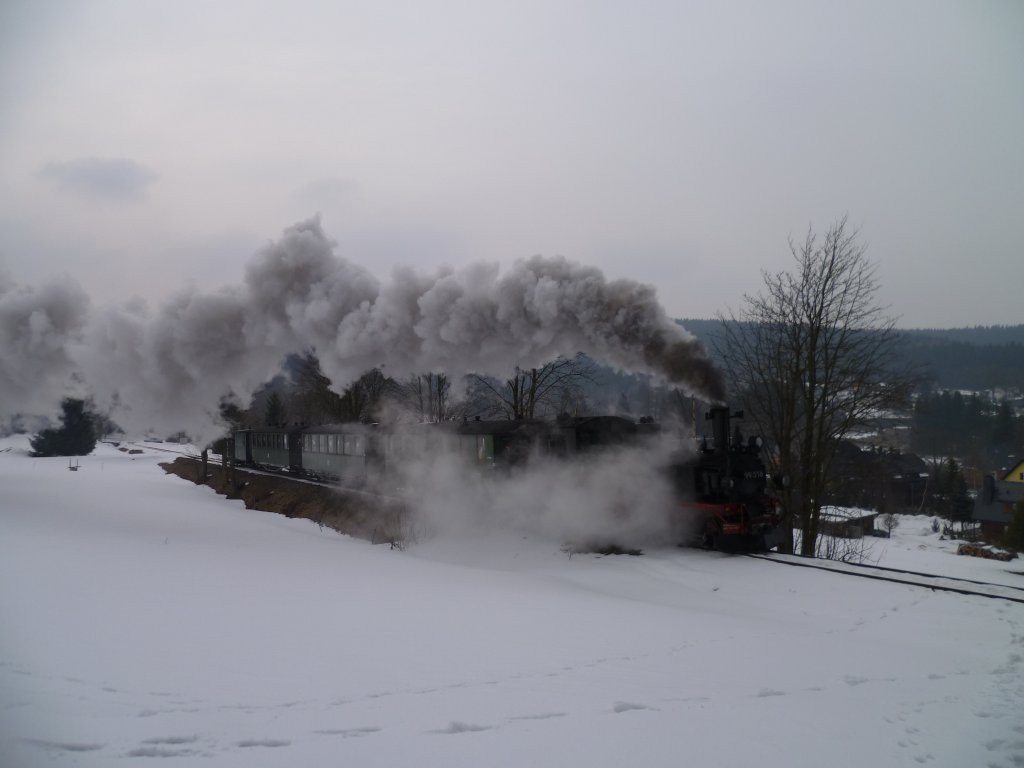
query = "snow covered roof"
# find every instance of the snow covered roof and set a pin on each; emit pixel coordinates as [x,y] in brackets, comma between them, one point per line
[846,513]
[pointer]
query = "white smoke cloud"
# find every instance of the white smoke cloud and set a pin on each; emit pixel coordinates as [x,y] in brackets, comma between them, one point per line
[169,370]
[620,497]
[39,330]
[470,320]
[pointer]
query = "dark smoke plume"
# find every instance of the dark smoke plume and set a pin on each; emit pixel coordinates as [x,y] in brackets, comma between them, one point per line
[170,369]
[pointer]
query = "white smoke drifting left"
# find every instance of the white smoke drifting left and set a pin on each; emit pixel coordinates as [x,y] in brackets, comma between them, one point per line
[170,369]
[40,330]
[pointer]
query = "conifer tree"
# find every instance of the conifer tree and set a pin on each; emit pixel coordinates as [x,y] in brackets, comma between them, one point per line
[75,437]
[275,414]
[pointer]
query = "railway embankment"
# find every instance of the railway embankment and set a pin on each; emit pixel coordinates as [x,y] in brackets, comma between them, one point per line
[379,519]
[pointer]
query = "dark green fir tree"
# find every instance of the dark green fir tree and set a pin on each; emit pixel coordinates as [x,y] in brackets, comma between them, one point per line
[76,436]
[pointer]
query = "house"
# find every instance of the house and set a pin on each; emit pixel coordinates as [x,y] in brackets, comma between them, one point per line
[994,506]
[847,522]
[888,481]
[1016,474]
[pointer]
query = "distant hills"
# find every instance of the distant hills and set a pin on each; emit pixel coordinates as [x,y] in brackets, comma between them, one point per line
[978,358]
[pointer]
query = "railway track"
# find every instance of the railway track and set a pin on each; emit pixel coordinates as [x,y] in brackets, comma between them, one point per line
[899,576]
[931,581]
[186,454]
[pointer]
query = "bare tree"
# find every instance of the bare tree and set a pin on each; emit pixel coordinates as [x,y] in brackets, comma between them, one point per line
[320,403]
[360,399]
[812,357]
[429,396]
[534,391]
[274,412]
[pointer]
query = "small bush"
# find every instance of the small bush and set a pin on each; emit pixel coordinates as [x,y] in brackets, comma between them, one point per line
[75,437]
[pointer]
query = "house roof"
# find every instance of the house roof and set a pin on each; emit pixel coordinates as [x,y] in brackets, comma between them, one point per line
[1015,473]
[847,513]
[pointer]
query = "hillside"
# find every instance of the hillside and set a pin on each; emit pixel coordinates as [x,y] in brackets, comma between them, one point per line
[980,358]
[147,617]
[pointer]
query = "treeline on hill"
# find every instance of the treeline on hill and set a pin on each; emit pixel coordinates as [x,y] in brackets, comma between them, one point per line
[972,426]
[979,358]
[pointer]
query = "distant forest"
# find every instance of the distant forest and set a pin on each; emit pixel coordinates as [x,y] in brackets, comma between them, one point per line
[979,358]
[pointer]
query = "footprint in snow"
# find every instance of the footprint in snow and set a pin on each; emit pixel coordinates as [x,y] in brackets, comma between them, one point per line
[545,716]
[160,752]
[264,743]
[853,680]
[172,740]
[347,732]
[65,746]
[459,727]
[766,692]
[625,706]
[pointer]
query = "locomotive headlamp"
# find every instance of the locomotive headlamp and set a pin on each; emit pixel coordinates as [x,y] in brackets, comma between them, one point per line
[755,442]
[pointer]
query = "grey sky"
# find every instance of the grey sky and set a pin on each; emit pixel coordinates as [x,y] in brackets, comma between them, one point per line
[145,144]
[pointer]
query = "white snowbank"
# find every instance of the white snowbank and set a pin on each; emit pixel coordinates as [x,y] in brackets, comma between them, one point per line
[146,617]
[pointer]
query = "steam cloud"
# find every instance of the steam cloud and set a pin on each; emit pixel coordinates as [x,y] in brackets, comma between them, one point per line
[169,370]
[39,329]
[619,497]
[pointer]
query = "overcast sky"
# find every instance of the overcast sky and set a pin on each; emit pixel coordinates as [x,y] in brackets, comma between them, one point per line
[145,144]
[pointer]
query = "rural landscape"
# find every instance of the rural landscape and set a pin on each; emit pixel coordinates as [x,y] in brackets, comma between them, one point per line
[551,594]
[511,384]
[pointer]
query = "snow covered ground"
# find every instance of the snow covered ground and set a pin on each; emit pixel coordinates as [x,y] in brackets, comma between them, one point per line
[144,617]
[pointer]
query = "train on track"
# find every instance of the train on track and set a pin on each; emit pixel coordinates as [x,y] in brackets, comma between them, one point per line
[722,490]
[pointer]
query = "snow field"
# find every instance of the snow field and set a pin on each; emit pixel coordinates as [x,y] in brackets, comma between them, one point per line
[142,617]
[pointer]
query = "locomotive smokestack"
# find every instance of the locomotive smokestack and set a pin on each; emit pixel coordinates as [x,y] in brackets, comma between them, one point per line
[719,418]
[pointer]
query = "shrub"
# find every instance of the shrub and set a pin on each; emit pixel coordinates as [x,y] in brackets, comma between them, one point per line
[75,437]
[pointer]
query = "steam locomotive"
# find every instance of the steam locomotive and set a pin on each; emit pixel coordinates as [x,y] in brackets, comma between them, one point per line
[722,492]
[728,490]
